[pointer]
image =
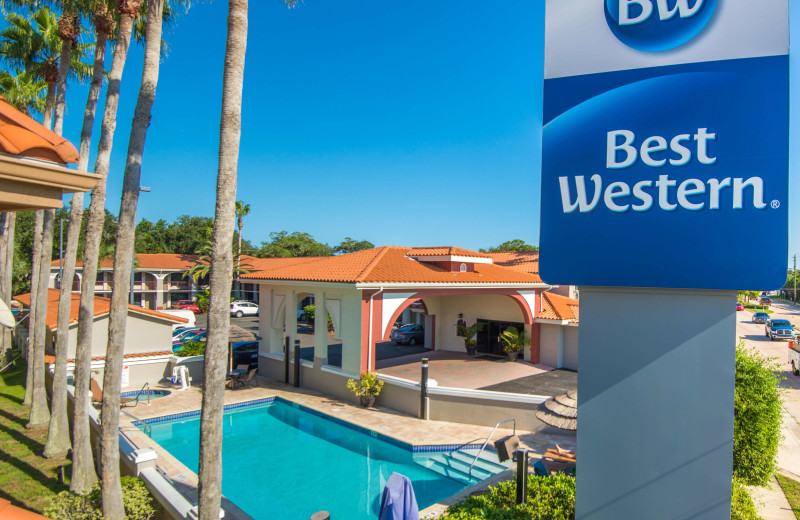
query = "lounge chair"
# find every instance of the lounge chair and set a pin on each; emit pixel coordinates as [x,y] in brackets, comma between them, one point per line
[250,379]
[97,395]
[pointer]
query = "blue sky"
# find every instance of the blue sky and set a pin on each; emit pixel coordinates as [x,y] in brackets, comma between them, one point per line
[403,123]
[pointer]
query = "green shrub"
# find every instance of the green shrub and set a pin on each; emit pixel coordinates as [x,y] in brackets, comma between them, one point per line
[138,503]
[192,348]
[550,498]
[757,417]
[309,310]
[742,506]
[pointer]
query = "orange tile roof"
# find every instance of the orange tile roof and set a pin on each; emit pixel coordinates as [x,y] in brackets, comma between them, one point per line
[101,306]
[525,261]
[21,135]
[445,251]
[48,358]
[167,261]
[12,512]
[386,264]
[557,307]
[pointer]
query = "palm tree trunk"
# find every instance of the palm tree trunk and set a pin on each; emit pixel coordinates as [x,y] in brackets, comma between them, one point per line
[40,415]
[239,260]
[49,102]
[83,475]
[38,223]
[210,470]
[123,265]
[6,272]
[58,441]
[61,89]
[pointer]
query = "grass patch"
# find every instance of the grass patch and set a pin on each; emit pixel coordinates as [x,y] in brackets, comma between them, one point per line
[791,488]
[26,478]
[757,308]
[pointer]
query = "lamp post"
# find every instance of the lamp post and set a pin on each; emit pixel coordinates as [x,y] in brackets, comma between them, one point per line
[61,252]
[142,189]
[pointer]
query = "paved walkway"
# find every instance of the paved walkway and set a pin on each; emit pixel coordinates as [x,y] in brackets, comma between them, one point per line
[552,383]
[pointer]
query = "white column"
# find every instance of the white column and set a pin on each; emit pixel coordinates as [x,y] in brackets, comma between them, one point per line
[320,330]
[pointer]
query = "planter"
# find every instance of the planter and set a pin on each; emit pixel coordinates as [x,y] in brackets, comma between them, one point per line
[471,351]
[367,401]
[512,356]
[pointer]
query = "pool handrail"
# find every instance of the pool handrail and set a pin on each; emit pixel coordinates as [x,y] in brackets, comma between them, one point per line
[147,428]
[488,439]
[145,385]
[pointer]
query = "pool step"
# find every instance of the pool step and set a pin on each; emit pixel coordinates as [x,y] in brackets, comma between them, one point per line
[455,465]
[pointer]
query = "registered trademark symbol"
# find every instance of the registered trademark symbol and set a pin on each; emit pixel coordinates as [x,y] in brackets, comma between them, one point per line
[775,204]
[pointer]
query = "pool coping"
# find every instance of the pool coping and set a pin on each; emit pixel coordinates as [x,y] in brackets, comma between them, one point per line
[418,448]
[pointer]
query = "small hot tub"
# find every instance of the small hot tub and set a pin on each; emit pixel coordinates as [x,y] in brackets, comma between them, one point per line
[144,394]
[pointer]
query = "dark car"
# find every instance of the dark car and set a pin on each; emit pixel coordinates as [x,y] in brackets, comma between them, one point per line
[765,300]
[760,317]
[408,335]
[779,329]
[245,353]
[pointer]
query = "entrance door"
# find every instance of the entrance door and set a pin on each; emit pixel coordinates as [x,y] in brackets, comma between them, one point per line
[488,339]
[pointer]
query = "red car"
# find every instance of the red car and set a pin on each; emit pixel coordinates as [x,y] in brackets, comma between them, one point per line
[187,304]
[739,307]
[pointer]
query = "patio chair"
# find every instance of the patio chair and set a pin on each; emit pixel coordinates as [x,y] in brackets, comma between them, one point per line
[234,382]
[242,367]
[97,395]
[250,379]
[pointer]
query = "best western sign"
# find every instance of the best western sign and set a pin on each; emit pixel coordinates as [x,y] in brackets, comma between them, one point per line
[665,146]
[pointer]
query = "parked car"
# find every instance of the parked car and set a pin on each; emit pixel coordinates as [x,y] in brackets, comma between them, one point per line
[739,307]
[779,329]
[240,309]
[186,314]
[765,300]
[187,304]
[409,335]
[760,317]
[199,335]
[178,333]
[245,353]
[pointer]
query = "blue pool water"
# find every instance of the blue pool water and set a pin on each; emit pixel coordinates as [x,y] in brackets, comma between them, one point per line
[282,462]
[142,396]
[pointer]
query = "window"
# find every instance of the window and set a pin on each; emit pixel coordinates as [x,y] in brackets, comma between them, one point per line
[463,268]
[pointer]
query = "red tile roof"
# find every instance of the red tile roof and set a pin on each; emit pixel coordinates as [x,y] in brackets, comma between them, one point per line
[386,264]
[445,251]
[525,261]
[101,306]
[166,261]
[21,135]
[48,358]
[557,307]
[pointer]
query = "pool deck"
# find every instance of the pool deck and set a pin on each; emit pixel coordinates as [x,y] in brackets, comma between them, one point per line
[399,426]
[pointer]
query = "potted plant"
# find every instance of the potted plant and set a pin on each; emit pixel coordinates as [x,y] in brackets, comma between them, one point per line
[513,342]
[367,387]
[469,333]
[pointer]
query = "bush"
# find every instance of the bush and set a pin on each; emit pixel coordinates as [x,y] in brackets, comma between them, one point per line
[757,417]
[742,506]
[192,348]
[309,311]
[551,498]
[138,503]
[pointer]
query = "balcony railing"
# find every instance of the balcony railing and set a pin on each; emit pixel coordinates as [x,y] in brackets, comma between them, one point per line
[177,285]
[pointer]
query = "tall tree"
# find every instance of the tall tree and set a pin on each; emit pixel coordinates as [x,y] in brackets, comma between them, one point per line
[123,266]
[40,415]
[511,245]
[36,252]
[7,225]
[242,210]
[83,473]
[349,245]
[23,91]
[58,438]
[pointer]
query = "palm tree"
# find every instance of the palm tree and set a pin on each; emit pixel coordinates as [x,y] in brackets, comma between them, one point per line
[83,474]
[40,415]
[242,210]
[7,225]
[23,91]
[123,265]
[210,466]
[38,224]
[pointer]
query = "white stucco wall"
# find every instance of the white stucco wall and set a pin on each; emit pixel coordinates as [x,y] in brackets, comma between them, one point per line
[473,307]
[142,334]
[559,346]
[549,346]
[571,348]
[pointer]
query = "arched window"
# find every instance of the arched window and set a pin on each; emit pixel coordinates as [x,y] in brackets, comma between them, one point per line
[463,268]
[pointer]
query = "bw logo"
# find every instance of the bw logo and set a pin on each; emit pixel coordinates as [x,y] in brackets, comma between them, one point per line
[657,25]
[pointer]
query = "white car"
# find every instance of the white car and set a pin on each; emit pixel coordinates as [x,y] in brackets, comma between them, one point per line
[239,309]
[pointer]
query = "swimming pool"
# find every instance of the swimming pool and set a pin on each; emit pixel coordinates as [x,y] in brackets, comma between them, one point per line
[284,461]
[142,397]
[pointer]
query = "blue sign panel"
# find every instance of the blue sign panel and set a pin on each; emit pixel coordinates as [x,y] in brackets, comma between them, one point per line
[666,175]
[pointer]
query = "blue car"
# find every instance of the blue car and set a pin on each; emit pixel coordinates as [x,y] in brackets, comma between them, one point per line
[408,335]
[779,329]
[195,336]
